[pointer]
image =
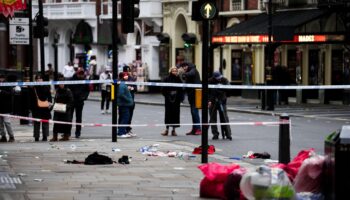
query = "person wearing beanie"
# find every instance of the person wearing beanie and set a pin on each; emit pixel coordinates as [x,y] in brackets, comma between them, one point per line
[124,101]
[132,89]
[217,103]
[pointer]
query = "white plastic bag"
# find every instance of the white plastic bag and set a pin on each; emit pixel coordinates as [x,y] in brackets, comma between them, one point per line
[267,183]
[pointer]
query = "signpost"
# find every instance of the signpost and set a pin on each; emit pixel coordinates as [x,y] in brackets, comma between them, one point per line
[207,11]
[19,31]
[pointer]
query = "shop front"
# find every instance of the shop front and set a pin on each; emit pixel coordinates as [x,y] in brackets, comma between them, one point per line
[313,54]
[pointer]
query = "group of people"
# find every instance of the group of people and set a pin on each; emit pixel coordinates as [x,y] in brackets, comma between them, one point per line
[72,99]
[187,73]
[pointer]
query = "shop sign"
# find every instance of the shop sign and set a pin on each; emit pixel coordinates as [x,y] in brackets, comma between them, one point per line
[19,31]
[244,39]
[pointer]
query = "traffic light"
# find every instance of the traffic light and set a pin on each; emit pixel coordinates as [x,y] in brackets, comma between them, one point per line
[189,39]
[40,29]
[204,10]
[129,13]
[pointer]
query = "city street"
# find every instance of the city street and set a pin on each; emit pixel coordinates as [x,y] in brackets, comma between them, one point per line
[307,131]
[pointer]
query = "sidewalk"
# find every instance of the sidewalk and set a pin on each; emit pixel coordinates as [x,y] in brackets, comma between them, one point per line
[237,104]
[37,170]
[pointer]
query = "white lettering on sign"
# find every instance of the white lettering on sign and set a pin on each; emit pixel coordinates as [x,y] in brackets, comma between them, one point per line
[19,31]
[306,38]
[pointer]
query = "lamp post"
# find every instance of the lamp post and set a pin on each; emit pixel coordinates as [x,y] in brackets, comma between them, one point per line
[55,42]
[268,97]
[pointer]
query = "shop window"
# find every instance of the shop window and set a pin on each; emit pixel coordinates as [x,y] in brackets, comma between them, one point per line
[163,60]
[313,67]
[184,55]
[236,66]
[337,67]
[247,68]
[292,65]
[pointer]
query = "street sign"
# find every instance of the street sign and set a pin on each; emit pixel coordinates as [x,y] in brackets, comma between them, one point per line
[19,31]
[208,10]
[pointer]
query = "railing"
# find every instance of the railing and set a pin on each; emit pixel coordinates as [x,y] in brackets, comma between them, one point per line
[68,10]
[241,5]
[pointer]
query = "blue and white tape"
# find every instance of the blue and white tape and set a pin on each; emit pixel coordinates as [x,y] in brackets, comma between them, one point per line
[183,85]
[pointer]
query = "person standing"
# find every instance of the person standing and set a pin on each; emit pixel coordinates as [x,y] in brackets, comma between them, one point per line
[106,90]
[68,71]
[80,94]
[5,108]
[124,101]
[132,89]
[191,76]
[173,97]
[63,96]
[40,93]
[49,73]
[217,103]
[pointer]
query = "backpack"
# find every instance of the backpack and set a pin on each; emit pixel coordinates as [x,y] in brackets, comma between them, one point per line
[97,159]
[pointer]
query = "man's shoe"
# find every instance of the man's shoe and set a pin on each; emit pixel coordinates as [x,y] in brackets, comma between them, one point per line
[190,133]
[229,137]
[77,134]
[12,139]
[198,132]
[124,136]
[3,139]
[103,112]
[36,139]
[44,138]
[215,137]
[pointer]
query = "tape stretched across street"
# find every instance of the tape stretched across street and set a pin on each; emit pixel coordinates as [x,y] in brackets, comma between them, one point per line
[144,125]
[184,85]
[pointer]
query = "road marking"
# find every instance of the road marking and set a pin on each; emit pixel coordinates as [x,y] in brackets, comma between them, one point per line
[7,182]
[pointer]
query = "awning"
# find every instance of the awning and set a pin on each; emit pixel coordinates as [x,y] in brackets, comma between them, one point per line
[255,30]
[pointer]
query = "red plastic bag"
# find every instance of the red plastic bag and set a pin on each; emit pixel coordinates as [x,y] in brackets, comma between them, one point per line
[293,166]
[212,185]
[198,150]
[232,188]
[309,177]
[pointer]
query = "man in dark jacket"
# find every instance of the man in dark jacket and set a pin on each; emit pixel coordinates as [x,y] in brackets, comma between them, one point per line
[217,102]
[5,108]
[191,76]
[80,94]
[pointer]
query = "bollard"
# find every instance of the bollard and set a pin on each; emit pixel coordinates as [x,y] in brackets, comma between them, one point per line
[284,140]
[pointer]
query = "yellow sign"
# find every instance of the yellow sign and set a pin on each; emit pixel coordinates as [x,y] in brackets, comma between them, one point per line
[112,92]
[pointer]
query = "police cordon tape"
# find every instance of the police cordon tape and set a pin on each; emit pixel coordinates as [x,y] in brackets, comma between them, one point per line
[184,85]
[143,125]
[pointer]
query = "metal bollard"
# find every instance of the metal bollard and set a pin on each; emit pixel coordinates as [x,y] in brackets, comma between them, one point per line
[284,140]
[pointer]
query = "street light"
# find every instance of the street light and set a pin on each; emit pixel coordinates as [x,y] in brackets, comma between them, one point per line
[268,97]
